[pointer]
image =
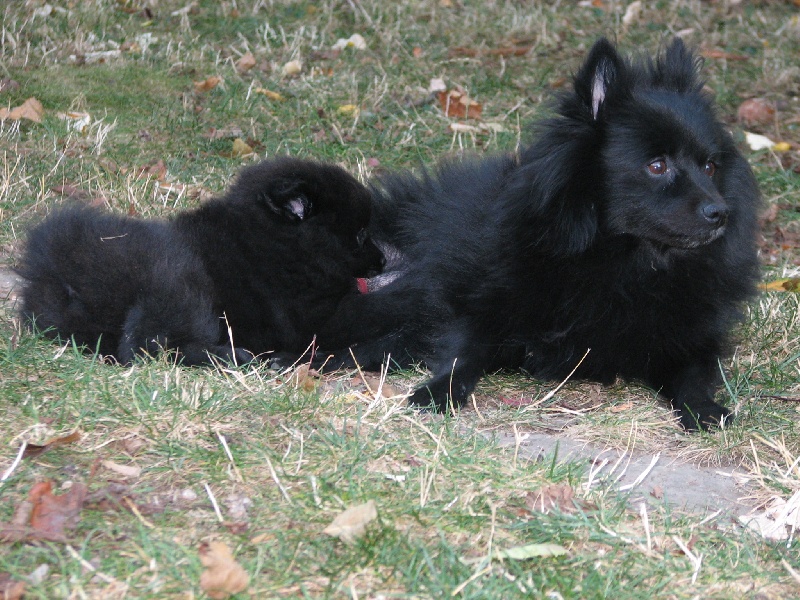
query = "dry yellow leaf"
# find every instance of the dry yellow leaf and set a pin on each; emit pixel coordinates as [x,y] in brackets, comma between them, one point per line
[240,148]
[270,94]
[347,109]
[31,110]
[293,67]
[351,524]
[790,284]
[782,147]
[223,576]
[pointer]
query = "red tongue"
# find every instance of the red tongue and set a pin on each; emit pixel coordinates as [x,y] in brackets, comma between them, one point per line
[362,285]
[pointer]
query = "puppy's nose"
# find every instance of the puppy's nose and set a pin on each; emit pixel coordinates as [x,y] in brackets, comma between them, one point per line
[715,214]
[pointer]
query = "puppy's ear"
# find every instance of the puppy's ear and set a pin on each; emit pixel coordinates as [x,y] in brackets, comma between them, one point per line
[677,69]
[600,74]
[294,208]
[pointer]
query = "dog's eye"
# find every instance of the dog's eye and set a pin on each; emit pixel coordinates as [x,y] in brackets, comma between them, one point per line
[361,237]
[710,169]
[657,167]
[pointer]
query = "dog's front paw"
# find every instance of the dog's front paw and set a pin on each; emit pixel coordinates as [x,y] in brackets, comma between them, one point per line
[705,416]
[439,395]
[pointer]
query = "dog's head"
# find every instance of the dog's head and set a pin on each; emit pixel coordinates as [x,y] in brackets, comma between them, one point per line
[664,153]
[642,153]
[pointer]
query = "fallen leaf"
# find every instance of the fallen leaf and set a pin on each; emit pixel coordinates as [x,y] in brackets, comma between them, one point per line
[11,589]
[53,514]
[723,54]
[347,109]
[560,496]
[207,84]
[437,85]
[416,52]
[31,109]
[354,41]
[782,147]
[756,111]
[521,401]
[463,128]
[625,406]
[77,121]
[305,378]
[657,492]
[245,63]
[240,148]
[456,103]
[223,576]
[37,449]
[791,284]
[270,94]
[632,13]
[39,574]
[351,524]
[293,67]
[124,470]
[531,551]
[758,142]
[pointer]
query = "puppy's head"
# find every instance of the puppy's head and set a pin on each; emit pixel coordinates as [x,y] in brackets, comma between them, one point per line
[316,196]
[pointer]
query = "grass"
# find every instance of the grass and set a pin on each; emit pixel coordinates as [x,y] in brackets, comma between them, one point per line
[281,456]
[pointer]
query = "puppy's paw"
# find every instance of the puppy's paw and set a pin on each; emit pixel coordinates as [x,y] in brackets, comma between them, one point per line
[706,416]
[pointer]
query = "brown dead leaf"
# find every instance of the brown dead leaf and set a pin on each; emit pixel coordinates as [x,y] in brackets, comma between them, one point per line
[558,495]
[123,470]
[756,111]
[721,54]
[31,109]
[36,450]
[11,589]
[223,576]
[657,492]
[207,84]
[53,514]
[305,378]
[157,170]
[622,407]
[456,103]
[245,63]
[351,524]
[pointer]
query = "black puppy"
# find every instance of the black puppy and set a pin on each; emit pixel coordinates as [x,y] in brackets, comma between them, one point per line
[271,259]
[625,229]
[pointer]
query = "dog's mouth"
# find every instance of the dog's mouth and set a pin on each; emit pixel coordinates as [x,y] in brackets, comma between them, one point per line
[686,241]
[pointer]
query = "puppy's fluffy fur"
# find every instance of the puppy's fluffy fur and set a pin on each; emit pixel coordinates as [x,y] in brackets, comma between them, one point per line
[625,229]
[274,256]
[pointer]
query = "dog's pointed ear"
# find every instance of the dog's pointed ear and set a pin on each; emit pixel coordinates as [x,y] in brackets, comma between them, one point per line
[678,68]
[601,71]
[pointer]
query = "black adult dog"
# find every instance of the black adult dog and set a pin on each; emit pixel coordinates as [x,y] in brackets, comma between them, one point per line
[273,256]
[625,229]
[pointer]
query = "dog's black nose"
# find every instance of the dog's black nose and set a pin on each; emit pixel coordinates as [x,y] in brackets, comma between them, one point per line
[715,214]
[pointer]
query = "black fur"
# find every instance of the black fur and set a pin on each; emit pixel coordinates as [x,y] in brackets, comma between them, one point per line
[627,228]
[274,255]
